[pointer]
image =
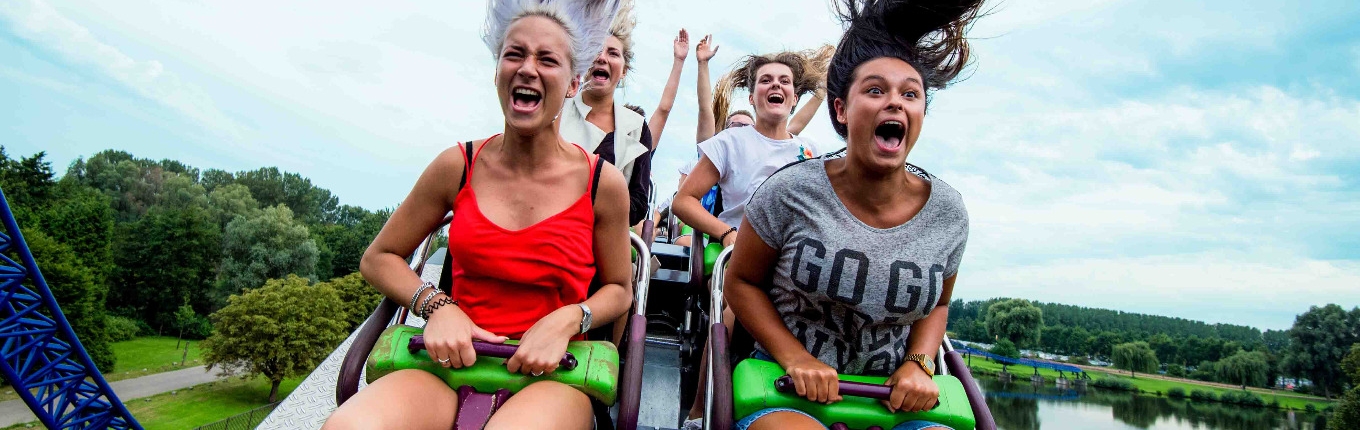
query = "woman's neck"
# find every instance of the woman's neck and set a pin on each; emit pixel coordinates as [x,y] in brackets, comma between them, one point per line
[522,151]
[873,189]
[599,101]
[777,130]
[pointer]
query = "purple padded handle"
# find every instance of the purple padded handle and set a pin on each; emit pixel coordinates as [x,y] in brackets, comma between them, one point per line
[496,350]
[858,389]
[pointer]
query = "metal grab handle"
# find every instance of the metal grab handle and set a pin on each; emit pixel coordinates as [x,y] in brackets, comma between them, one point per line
[846,388]
[496,350]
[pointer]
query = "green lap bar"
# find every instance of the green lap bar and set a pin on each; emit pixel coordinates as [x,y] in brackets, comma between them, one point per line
[597,375]
[753,383]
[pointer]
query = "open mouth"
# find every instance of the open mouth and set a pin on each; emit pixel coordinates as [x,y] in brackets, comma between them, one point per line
[599,76]
[890,134]
[525,99]
[775,99]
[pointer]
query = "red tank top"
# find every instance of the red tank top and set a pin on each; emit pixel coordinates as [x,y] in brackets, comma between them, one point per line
[505,280]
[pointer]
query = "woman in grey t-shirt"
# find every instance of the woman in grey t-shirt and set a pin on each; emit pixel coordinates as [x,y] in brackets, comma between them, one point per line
[854,255]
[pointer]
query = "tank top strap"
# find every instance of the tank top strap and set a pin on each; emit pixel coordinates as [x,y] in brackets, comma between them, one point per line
[593,166]
[473,161]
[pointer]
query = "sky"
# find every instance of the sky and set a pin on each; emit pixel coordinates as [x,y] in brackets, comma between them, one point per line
[1190,159]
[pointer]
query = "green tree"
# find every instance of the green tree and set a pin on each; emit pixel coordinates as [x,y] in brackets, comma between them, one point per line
[1134,357]
[1005,348]
[1016,320]
[270,245]
[1347,414]
[357,296]
[229,201]
[1176,370]
[77,290]
[283,329]
[133,184]
[1320,339]
[164,259]
[1103,342]
[271,187]
[1244,368]
[27,182]
[1351,365]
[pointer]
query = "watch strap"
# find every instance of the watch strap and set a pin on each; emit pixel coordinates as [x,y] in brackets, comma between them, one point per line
[585,317]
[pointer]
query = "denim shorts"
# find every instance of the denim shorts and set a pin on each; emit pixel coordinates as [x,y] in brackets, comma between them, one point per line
[746,422]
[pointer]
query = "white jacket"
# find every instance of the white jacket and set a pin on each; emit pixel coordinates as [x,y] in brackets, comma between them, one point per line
[627,133]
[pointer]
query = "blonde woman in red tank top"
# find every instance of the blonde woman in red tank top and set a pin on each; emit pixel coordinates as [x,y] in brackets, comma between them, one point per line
[526,204]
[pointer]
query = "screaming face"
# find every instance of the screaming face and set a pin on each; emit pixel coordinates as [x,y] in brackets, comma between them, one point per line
[608,68]
[883,112]
[773,95]
[533,74]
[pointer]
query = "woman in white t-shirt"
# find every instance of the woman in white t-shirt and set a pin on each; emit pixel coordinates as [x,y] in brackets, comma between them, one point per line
[739,159]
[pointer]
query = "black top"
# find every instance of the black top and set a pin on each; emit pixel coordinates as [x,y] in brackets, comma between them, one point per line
[640,186]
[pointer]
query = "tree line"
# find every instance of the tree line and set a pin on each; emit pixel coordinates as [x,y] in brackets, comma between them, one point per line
[159,244]
[1313,348]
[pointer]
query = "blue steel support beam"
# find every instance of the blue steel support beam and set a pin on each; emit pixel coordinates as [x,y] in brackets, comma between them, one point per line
[39,354]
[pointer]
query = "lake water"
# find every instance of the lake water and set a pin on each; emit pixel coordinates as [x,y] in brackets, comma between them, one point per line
[1020,405]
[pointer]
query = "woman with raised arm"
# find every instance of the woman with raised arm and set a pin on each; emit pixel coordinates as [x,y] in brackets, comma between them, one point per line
[847,262]
[598,121]
[535,219]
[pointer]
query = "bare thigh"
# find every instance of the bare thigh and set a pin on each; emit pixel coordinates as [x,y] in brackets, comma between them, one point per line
[545,405]
[786,420]
[405,399]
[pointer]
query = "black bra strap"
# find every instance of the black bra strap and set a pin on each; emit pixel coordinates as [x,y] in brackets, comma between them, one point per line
[595,180]
[467,164]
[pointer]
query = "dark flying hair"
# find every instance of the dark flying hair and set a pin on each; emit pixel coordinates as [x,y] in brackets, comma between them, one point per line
[927,34]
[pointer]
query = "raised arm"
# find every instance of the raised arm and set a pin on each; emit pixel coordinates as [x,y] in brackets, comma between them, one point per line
[707,126]
[663,109]
[805,114]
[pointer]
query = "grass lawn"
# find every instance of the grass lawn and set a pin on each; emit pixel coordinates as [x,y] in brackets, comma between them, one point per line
[140,357]
[1154,386]
[152,354]
[202,404]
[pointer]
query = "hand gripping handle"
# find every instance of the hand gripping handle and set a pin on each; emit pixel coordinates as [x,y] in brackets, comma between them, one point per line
[858,389]
[496,350]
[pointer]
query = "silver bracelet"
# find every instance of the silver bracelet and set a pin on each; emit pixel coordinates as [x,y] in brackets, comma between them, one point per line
[416,297]
[421,312]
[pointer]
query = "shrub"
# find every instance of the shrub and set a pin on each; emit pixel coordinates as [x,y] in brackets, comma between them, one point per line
[1203,396]
[1176,393]
[1310,408]
[121,328]
[1114,384]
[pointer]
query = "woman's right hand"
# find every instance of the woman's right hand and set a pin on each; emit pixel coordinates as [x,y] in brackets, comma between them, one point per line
[449,334]
[706,49]
[814,380]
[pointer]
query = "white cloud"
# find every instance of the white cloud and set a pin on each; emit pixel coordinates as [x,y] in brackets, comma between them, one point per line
[39,23]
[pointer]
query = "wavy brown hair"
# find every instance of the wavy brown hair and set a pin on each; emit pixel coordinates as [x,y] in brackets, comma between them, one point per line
[809,73]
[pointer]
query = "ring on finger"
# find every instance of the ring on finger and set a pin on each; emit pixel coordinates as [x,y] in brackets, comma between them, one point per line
[443,361]
[536,373]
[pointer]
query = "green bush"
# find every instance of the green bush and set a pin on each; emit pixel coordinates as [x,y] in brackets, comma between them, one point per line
[1115,384]
[1242,398]
[1309,408]
[121,328]
[1176,393]
[1203,396]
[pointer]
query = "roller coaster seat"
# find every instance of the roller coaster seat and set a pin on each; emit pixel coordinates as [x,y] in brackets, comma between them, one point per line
[596,375]
[755,388]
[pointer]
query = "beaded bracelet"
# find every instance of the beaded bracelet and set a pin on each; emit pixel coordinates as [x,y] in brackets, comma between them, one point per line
[439,303]
[416,297]
[426,302]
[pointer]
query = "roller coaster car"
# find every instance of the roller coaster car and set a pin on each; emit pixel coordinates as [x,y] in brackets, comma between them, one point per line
[385,344]
[677,303]
[757,384]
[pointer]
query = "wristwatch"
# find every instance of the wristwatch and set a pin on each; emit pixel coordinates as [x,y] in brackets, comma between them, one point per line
[924,360]
[585,317]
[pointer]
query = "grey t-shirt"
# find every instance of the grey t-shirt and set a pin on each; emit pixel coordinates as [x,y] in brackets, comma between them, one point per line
[848,291]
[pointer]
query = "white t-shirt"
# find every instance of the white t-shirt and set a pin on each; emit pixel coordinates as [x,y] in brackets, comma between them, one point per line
[688,167]
[745,158]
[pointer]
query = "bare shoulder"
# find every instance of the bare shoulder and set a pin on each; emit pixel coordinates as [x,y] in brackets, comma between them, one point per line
[612,191]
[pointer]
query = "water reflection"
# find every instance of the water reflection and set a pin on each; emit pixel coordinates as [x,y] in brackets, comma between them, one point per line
[1024,406]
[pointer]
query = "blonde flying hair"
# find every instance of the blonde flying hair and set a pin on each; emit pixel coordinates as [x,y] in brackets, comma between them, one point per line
[809,74]
[587,23]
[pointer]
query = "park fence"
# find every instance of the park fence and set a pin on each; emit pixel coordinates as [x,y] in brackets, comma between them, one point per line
[244,421]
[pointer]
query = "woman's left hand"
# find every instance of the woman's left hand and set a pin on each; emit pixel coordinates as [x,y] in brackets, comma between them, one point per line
[542,347]
[912,389]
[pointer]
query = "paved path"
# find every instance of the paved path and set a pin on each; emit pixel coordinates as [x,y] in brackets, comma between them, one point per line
[15,411]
